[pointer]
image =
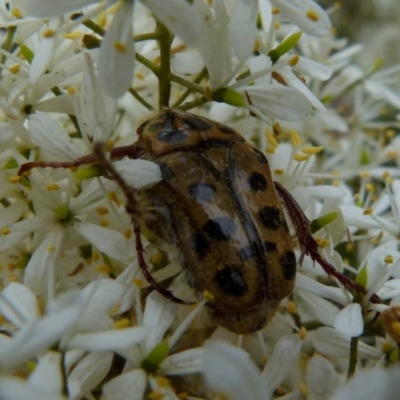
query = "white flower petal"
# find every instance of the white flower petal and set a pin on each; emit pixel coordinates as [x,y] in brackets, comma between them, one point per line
[39,334]
[228,370]
[243,28]
[186,63]
[47,373]
[179,16]
[23,300]
[331,343]
[323,310]
[382,384]
[128,386]
[349,321]
[117,53]
[114,340]
[42,59]
[322,379]
[279,101]
[285,354]
[296,11]
[41,272]
[51,8]
[49,135]
[139,173]
[113,243]
[90,372]
[12,388]
[390,289]
[158,316]
[184,362]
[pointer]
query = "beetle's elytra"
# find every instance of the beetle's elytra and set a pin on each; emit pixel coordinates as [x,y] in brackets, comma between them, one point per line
[218,203]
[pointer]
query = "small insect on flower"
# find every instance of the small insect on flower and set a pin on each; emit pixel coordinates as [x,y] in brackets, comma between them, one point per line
[218,203]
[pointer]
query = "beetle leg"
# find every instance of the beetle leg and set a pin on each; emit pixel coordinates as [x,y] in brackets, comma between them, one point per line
[132,209]
[116,153]
[310,246]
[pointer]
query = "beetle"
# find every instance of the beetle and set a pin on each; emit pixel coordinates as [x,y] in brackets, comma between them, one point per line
[218,203]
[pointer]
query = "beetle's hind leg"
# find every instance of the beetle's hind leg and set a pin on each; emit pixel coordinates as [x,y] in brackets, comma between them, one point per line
[132,209]
[309,245]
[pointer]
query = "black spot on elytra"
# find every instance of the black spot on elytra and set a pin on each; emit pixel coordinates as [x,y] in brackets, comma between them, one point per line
[197,123]
[226,129]
[201,245]
[270,246]
[231,281]
[221,228]
[166,171]
[288,264]
[260,157]
[270,217]
[201,191]
[257,182]
[172,135]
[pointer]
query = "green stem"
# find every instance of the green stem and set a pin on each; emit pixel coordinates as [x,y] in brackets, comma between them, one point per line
[353,357]
[140,99]
[188,91]
[155,69]
[164,84]
[8,43]
[56,90]
[190,85]
[146,36]
[195,103]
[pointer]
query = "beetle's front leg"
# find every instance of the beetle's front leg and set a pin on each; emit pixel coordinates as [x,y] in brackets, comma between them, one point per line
[310,246]
[132,209]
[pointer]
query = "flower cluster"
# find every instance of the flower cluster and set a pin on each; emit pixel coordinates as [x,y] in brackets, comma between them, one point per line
[77,317]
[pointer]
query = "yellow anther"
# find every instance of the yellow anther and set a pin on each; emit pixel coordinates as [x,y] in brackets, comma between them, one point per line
[365,175]
[301,157]
[279,171]
[70,90]
[311,149]
[157,258]
[104,222]
[335,183]
[156,395]
[140,75]
[103,269]
[52,186]
[122,323]
[208,93]
[137,282]
[13,278]
[256,46]
[14,69]
[303,333]
[295,138]
[277,25]
[294,60]
[49,33]
[95,255]
[276,127]
[322,242]
[163,381]
[113,197]
[120,47]
[388,260]
[14,179]
[311,14]
[5,231]
[390,133]
[208,296]
[275,10]
[303,389]
[102,19]
[392,154]
[16,12]
[102,210]
[270,149]
[271,138]
[368,211]
[51,248]
[128,233]
[291,307]
[370,187]
[72,35]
